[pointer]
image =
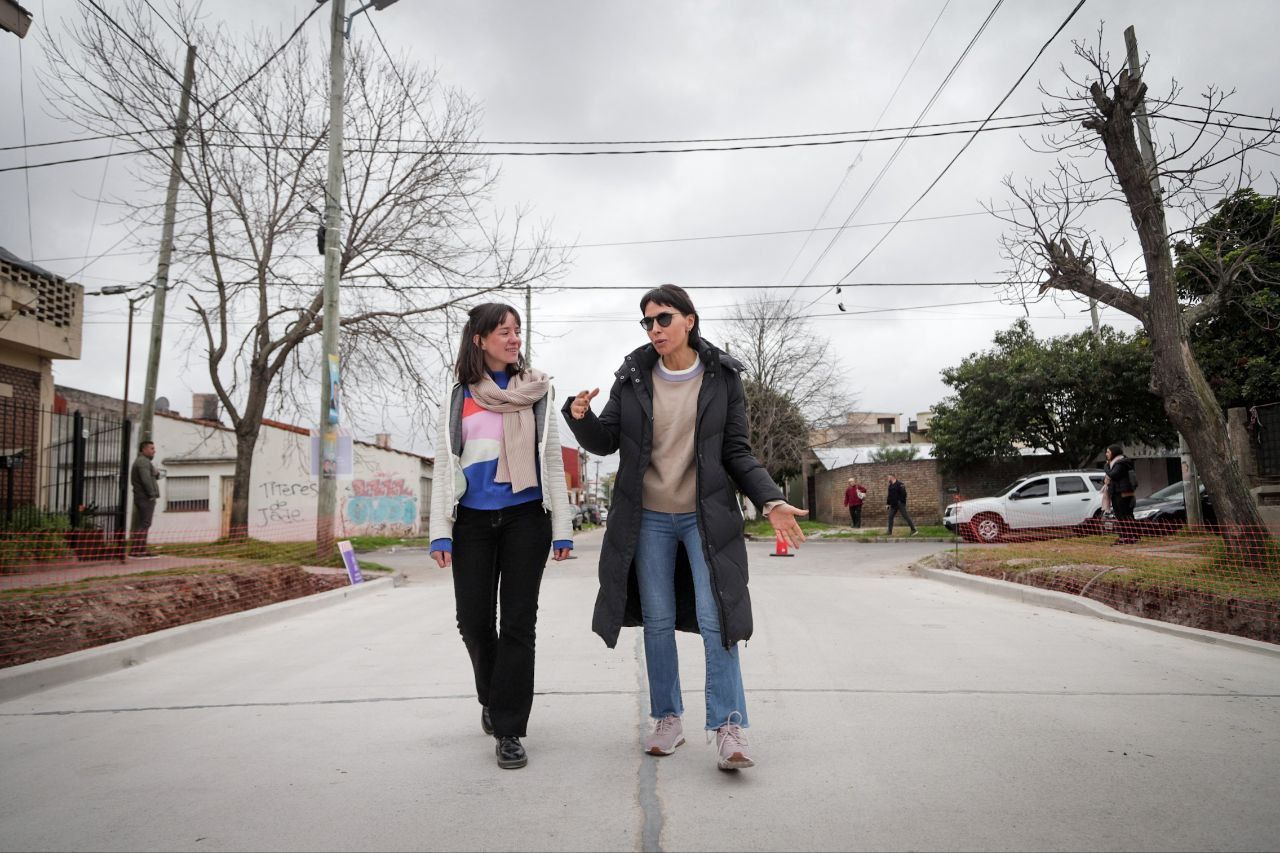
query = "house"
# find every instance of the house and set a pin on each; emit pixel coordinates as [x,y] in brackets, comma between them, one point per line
[865,428]
[41,318]
[386,493]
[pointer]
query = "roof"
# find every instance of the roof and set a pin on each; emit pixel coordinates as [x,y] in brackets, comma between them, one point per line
[10,258]
[267,422]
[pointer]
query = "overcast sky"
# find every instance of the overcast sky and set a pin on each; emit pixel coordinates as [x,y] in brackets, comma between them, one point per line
[591,70]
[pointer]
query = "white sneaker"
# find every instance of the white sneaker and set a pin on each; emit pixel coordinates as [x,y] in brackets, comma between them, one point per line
[731,742]
[667,734]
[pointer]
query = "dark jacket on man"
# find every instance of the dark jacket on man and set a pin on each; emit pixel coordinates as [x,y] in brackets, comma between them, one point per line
[146,486]
[897,494]
[1122,479]
[724,460]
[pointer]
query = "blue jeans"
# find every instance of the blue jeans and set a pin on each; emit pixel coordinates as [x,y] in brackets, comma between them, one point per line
[660,533]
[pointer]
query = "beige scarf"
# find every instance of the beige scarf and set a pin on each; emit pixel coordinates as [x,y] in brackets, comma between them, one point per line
[517,456]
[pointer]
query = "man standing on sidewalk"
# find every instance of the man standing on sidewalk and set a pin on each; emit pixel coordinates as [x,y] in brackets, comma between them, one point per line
[146,490]
[897,502]
[853,500]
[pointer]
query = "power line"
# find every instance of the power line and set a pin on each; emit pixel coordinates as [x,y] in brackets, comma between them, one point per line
[236,88]
[590,153]
[1043,114]
[858,157]
[968,142]
[645,242]
[901,145]
[22,97]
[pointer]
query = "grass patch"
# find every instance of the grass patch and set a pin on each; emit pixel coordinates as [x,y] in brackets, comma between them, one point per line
[1194,561]
[254,551]
[374,543]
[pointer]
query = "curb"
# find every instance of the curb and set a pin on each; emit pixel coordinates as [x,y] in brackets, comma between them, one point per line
[27,678]
[1089,607]
[861,540]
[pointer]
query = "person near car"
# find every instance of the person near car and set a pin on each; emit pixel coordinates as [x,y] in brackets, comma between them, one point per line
[1122,481]
[496,512]
[896,500]
[673,556]
[145,480]
[853,497]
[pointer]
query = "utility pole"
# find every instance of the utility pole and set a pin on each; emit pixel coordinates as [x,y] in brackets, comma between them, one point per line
[1190,480]
[329,414]
[166,250]
[528,323]
[1093,315]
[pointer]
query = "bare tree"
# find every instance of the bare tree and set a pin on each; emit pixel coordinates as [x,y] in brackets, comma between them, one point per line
[794,382]
[1054,250]
[414,245]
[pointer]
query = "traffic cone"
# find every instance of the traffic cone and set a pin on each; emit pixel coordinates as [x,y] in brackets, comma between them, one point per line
[780,547]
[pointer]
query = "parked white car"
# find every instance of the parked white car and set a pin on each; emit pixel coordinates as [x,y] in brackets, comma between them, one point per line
[1051,500]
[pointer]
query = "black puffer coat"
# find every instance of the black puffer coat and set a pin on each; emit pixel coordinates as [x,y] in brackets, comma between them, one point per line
[724,460]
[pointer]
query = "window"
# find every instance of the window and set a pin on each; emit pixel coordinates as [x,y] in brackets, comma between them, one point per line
[1097,480]
[1072,486]
[1034,489]
[186,494]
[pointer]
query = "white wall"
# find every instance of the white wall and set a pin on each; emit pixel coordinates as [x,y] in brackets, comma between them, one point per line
[382,497]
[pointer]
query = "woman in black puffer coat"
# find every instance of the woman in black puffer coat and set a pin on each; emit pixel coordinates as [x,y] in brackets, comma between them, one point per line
[673,555]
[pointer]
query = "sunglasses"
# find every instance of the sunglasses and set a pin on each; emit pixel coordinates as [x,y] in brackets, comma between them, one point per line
[664,319]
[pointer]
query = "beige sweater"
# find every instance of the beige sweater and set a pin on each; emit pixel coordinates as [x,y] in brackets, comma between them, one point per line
[671,481]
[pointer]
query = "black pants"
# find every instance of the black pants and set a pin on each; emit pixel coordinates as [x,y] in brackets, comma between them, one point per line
[143,512]
[1123,506]
[498,558]
[900,510]
[855,515]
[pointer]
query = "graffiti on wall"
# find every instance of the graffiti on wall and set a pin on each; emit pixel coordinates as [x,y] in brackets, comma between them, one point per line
[380,505]
[289,503]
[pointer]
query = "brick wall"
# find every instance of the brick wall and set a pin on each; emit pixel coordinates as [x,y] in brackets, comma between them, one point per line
[925,497]
[928,490]
[20,429]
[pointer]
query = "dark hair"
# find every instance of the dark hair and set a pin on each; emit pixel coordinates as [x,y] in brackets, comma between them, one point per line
[1116,450]
[672,296]
[481,320]
[142,445]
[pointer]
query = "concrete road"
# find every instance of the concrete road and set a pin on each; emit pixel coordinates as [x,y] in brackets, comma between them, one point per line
[890,712]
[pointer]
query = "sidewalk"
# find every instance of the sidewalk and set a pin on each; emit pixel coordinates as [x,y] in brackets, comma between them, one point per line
[889,712]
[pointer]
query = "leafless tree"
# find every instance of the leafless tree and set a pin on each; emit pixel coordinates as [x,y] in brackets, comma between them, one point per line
[415,245]
[1056,251]
[794,382]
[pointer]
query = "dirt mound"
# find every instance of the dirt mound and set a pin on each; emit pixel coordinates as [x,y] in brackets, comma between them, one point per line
[43,624]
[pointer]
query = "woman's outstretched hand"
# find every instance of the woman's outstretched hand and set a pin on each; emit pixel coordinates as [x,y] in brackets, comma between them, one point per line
[582,404]
[783,519]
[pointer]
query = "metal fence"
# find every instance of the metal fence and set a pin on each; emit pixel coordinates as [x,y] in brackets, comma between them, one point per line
[63,465]
[1264,424]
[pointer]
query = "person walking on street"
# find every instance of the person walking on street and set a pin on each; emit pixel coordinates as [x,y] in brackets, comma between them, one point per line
[673,556]
[499,504]
[897,503]
[1121,484]
[145,480]
[853,497]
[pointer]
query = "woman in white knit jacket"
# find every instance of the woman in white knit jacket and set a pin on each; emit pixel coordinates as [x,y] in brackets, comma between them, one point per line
[499,503]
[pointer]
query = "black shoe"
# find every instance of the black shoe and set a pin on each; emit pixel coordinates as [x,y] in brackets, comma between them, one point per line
[511,755]
[485,722]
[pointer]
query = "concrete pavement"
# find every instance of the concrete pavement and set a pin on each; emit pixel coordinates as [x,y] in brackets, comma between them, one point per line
[889,712]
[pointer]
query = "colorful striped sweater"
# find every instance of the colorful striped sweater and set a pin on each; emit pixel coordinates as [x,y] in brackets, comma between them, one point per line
[481,440]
